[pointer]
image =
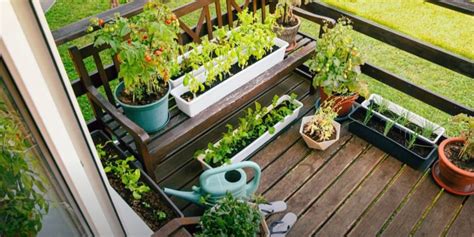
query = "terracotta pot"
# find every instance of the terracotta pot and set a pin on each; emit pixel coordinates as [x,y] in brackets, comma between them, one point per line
[319,145]
[452,178]
[344,103]
[288,34]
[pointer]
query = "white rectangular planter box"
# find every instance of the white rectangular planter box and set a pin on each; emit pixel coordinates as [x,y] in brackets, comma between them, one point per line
[412,117]
[220,91]
[244,153]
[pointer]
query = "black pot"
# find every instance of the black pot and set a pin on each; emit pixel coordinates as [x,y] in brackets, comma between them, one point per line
[99,137]
[388,145]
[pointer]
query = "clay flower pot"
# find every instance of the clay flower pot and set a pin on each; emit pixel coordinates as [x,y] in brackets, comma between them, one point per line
[288,34]
[319,145]
[344,103]
[452,178]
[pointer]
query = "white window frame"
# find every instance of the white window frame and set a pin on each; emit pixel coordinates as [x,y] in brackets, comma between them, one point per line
[42,81]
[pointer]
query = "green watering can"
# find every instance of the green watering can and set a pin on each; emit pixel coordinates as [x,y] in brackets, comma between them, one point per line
[215,183]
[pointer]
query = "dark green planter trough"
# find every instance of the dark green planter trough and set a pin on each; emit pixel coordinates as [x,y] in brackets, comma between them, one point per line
[151,117]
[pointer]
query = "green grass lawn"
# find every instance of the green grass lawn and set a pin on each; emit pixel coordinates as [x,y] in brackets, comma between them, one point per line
[433,77]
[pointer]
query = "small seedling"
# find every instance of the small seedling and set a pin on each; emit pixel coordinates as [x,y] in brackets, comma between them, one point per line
[428,129]
[388,126]
[382,106]
[411,139]
[368,115]
[404,119]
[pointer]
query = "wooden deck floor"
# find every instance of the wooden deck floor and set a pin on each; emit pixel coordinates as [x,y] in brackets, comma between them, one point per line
[350,189]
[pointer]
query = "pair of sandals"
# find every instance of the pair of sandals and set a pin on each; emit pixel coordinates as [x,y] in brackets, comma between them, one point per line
[282,227]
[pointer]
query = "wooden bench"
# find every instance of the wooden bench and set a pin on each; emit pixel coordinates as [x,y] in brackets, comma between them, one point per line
[152,149]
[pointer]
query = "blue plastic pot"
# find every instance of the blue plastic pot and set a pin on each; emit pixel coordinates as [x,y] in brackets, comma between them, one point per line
[151,117]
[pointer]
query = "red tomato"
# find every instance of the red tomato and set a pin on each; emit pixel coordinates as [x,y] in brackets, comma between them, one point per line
[101,22]
[147,58]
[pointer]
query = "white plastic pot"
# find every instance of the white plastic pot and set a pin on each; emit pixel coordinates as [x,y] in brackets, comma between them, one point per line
[319,145]
[226,87]
[252,147]
[412,117]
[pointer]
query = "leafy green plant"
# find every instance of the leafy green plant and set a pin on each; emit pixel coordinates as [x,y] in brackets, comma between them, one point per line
[22,202]
[467,125]
[321,124]
[403,119]
[253,125]
[368,114]
[411,139]
[337,61]
[231,217]
[129,177]
[388,126]
[252,39]
[146,47]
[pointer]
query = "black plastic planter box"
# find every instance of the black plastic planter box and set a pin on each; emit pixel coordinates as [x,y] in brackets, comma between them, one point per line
[99,137]
[389,145]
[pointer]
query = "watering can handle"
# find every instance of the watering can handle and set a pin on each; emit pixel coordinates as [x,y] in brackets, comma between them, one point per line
[251,188]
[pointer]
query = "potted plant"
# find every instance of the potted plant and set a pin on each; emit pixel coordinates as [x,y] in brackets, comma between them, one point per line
[336,64]
[233,217]
[385,134]
[455,168]
[133,185]
[320,130]
[146,47]
[289,24]
[254,130]
[240,55]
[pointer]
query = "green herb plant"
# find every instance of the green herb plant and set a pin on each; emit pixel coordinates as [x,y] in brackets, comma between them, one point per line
[253,125]
[368,114]
[252,39]
[411,139]
[231,217]
[382,106]
[403,119]
[388,126]
[22,193]
[336,61]
[320,124]
[129,177]
[146,47]
[467,125]
[428,129]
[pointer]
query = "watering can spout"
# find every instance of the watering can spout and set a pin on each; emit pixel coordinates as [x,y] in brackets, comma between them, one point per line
[190,196]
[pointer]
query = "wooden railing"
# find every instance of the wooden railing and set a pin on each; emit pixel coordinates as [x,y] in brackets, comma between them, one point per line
[416,47]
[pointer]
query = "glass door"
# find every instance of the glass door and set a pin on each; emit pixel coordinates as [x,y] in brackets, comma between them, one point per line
[34,199]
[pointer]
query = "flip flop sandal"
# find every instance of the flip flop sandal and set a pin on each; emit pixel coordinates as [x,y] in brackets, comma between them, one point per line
[281,228]
[272,207]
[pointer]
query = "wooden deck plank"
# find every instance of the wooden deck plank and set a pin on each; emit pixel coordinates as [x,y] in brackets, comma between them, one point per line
[327,203]
[373,220]
[407,217]
[296,177]
[341,222]
[318,183]
[463,226]
[440,215]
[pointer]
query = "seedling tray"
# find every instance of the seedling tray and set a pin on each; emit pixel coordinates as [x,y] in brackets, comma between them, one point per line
[389,145]
[412,117]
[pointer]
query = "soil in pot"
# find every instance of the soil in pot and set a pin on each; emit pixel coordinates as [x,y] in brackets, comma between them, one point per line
[188,96]
[147,99]
[149,207]
[393,116]
[245,142]
[452,151]
[315,137]
[401,137]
